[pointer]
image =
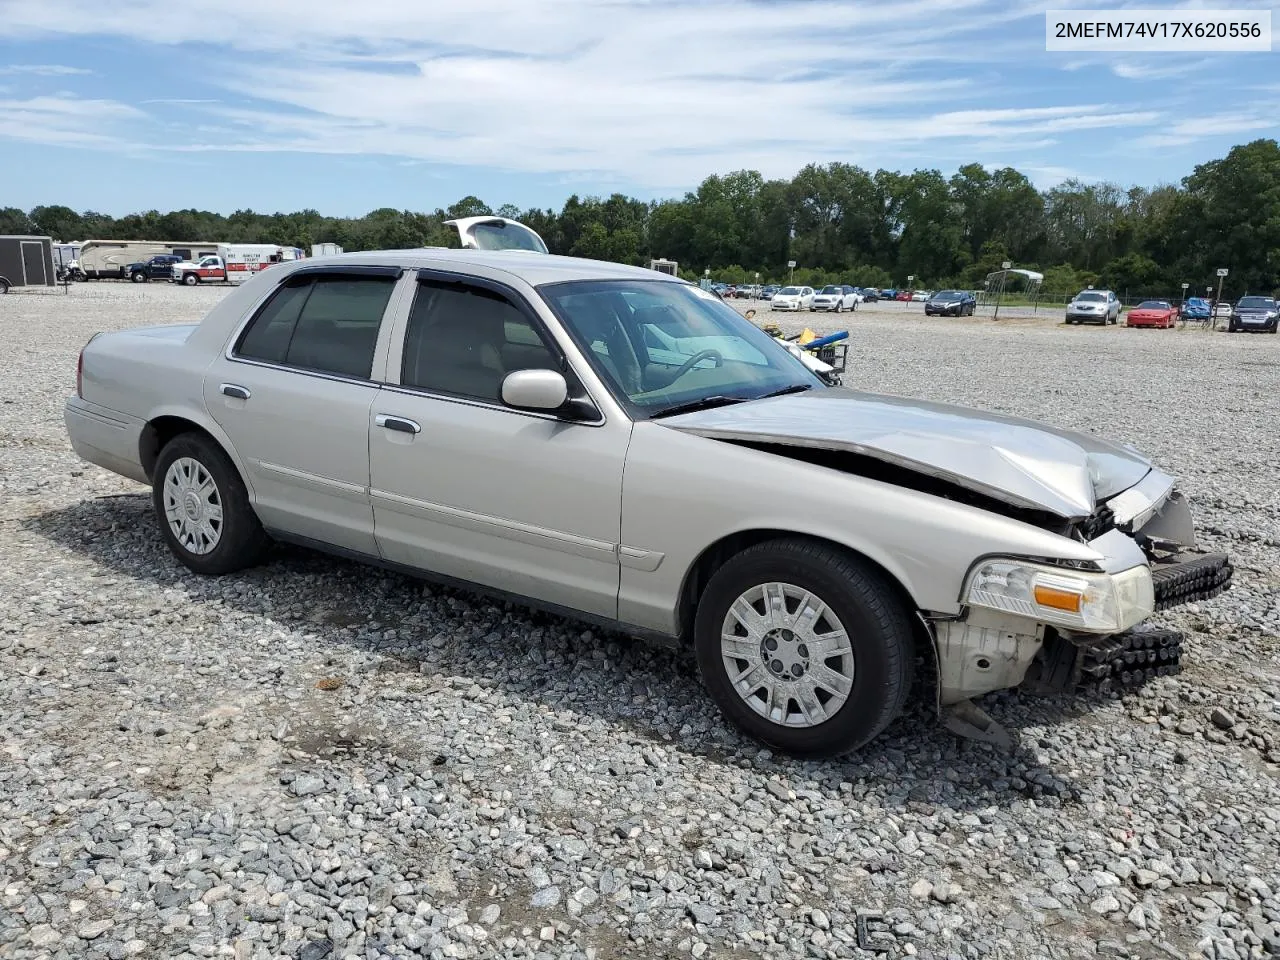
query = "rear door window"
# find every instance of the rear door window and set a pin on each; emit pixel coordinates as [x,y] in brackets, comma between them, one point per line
[328,324]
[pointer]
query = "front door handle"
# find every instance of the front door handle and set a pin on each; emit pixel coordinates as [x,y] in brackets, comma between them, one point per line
[235,390]
[402,424]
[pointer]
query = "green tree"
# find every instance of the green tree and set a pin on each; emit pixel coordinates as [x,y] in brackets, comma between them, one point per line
[14,221]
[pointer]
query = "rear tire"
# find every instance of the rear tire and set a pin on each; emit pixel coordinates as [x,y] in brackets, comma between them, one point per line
[826,699]
[4,287]
[203,507]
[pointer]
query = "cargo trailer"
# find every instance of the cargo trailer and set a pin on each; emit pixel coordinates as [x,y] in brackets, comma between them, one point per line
[26,262]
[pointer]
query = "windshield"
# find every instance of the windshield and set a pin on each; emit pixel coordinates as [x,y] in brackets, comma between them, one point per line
[660,345]
[1153,305]
[839,290]
[1256,303]
[948,295]
[789,291]
[1090,297]
[506,236]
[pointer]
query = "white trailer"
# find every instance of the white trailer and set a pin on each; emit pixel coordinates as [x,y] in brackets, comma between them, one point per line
[325,250]
[110,259]
[232,263]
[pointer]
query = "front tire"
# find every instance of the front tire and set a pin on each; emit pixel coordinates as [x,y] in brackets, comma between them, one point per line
[190,279]
[4,287]
[203,507]
[804,647]
[138,277]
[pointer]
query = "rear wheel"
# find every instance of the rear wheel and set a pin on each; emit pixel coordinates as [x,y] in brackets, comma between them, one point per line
[804,647]
[4,286]
[204,509]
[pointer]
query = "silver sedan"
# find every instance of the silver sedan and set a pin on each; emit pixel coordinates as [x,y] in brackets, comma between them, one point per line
[623,447]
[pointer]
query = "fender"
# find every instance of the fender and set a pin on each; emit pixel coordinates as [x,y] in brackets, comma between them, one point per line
[200,417]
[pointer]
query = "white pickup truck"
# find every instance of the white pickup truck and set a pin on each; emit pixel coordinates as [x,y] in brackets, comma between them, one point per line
[206,270]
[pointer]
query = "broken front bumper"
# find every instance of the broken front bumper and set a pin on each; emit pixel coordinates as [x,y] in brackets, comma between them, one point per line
[988,651]
[1111,664]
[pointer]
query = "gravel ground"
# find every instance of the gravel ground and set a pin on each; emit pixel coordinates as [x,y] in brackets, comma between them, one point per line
[315,759]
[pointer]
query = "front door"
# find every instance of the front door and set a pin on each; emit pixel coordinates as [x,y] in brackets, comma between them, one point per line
[467,487]
[295,399]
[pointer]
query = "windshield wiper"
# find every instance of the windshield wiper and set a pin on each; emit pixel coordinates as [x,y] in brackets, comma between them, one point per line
[794,388]
[702,403]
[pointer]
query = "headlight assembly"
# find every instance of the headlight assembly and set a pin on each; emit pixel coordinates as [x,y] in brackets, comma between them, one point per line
[1074,599]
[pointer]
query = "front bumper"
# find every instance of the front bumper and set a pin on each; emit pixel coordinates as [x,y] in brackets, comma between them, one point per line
[786,306]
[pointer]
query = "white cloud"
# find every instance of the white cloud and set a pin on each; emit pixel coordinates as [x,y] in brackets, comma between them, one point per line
[644,93]
[42,70]
[68,121]
[1156,69]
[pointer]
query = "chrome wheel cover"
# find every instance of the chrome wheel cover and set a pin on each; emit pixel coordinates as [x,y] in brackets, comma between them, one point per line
[787,655]
[192,505]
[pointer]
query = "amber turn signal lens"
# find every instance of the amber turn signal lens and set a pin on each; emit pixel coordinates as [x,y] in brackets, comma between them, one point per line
[1058,599]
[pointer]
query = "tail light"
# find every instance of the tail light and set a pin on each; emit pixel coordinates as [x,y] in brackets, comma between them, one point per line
[80,366]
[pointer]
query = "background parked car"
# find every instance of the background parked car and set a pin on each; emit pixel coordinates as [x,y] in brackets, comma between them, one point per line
[836,298]
[869,294]
[1152,313]
[768,291]
[889,293]
[1255,313]
[950,303]
[920,296]
[903,296]
[1094,306]
[1197,308]
[792,298]
[158,267]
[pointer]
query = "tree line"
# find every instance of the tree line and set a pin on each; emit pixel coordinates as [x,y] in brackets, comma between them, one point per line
[839,222]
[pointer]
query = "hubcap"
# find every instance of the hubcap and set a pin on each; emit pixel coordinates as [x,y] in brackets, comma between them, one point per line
[192,505]
[787,654]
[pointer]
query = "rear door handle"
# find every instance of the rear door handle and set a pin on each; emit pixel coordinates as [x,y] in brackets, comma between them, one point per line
[402,424]
[235,390]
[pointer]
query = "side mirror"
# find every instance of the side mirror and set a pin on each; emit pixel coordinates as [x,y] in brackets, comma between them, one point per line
[535,390]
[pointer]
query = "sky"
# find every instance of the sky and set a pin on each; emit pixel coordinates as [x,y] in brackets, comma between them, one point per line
[344,106]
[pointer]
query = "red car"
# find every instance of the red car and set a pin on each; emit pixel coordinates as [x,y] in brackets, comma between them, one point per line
[904,295]
[1152,313]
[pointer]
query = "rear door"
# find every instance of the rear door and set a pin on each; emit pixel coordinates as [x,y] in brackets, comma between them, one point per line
[294,393]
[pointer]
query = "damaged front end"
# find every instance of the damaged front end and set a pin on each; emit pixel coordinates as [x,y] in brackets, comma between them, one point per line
[1038,634]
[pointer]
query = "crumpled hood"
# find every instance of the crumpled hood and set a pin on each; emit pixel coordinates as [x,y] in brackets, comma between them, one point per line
[1018,461]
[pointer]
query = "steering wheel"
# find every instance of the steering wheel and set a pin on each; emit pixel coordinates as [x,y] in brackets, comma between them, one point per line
[690,364]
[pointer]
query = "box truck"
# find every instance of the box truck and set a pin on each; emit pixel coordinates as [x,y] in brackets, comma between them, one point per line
[232,263]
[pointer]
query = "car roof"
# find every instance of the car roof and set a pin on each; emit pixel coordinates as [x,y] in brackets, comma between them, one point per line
[530,266]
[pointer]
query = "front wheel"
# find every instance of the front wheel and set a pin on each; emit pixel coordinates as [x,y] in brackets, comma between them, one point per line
[4,287]
[138,277]
[204,509]
[804,647]
[190,279]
